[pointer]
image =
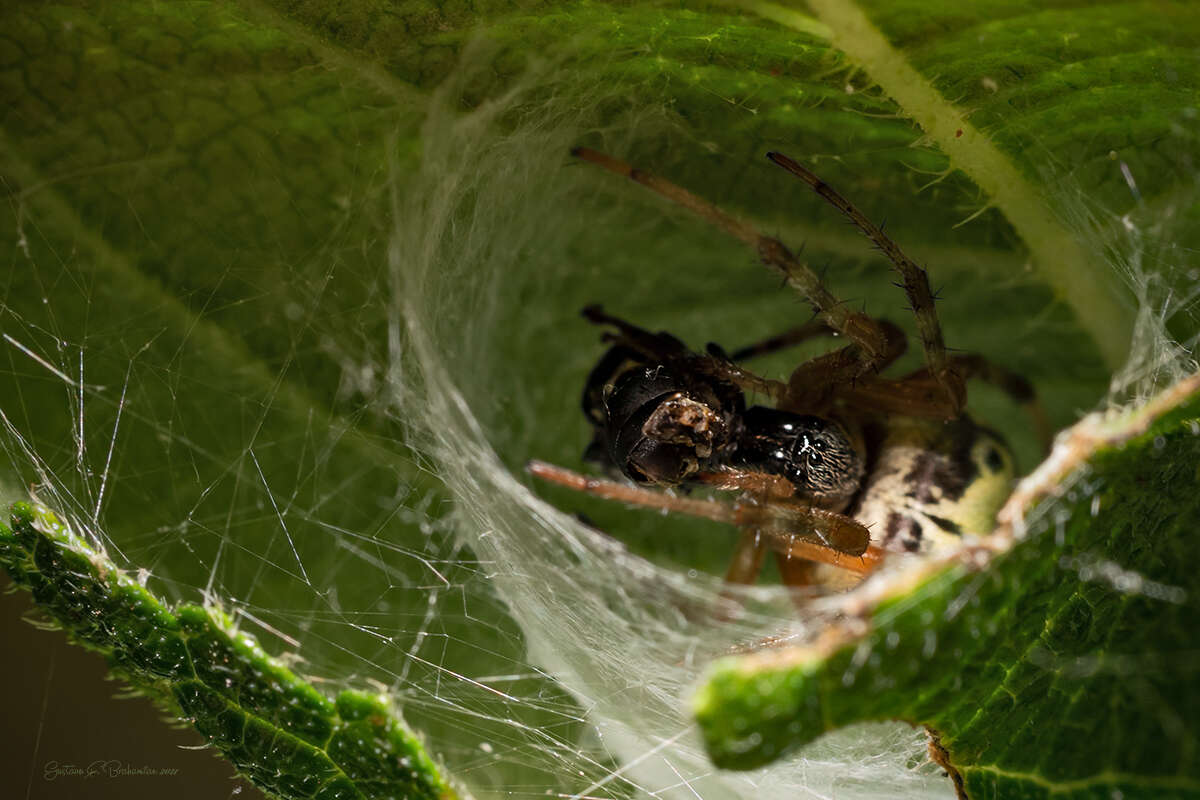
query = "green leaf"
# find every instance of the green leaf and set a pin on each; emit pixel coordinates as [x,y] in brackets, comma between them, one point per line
[287,737]
[1060,662]
[290,286]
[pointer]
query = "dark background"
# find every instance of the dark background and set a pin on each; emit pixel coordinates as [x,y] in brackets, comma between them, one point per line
[64,708]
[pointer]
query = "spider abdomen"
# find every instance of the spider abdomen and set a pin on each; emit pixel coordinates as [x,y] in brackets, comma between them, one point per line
[931,483]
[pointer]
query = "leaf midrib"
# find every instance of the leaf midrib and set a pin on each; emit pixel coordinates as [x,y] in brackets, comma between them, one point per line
[1078,278]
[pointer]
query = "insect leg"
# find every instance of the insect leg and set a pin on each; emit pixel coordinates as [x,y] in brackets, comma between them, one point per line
[915,283]
[664,348]
[658,347]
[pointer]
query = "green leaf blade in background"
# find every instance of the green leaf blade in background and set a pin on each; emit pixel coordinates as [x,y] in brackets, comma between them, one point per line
[204,352]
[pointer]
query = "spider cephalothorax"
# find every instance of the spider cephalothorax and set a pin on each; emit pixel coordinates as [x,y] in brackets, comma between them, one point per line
[814,454]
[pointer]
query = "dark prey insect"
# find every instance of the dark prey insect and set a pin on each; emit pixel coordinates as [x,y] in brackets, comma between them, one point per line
[845,466]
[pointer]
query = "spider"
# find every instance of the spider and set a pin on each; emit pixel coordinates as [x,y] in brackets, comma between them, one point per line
[844,467]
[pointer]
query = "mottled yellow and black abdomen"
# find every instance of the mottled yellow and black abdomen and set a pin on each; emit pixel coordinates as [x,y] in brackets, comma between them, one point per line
[933,482]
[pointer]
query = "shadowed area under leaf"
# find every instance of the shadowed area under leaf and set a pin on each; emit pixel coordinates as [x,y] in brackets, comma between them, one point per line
[280,732]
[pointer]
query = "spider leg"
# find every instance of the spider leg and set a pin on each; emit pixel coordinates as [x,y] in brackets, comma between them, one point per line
[859,328]
[764,485]
[913,396]
[795,573]
[768,502]
[747,558]
[718,365]
[915,284]
[813,384]
[781,341]
[919,395]
[747,561]
[787,526]
[1019,390]
[810,330]
[752,546]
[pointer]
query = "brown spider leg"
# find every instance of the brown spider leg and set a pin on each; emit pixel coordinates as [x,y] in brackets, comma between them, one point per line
[782,341]
[769,500]
[764,485]
[915,284]
[810,330]
[790,527]
[747,558]
[1019,390]
[752,547]
[919,395]
[718,366]
[747,561]
[813,385]
[859,328]
[744,567]
[912,396]
[796,573]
